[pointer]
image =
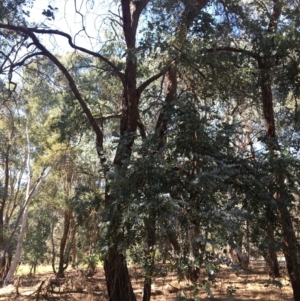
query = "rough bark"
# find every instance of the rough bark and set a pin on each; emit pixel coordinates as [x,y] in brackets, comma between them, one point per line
[272,255]
[116,272]
[150,225]
[117,277]
[63,257]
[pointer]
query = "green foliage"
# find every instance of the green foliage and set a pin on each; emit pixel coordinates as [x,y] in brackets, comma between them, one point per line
[184,184]
[35,245]
[84,203]
[204,184]
[91,262]
[13,10]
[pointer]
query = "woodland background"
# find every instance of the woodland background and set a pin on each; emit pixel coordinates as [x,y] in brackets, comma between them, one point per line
[170,139]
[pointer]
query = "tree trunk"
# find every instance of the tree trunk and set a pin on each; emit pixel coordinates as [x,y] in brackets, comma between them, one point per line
[289,242]
[4,194]
[117,277]
[63,256]
[73,253]
[116,272]
[272,256]
[150,225]
[290,247]
[30,194]
[4,262]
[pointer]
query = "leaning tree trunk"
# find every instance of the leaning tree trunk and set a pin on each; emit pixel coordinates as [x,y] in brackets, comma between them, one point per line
[30,194]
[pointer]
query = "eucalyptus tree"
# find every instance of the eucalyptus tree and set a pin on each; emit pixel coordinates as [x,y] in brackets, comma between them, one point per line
[266,33]
[32,190]
[258,40]
[153,40]
[64,136]
[38,233]
[117,277]
[12,171]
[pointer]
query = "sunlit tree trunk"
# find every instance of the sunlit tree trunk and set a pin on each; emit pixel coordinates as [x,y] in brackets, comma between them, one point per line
[30,194]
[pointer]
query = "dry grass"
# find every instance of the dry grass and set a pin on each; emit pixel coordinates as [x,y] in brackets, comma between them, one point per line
[41,269]
[247,285]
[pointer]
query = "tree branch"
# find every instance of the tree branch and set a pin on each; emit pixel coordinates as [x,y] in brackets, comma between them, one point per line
[63,34]
[146,83]
[101,118]
[140,5]
[277,8]
[21,63]
[232,49]
[72,84]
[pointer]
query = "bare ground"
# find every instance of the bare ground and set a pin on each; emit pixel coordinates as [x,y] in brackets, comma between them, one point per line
[246,285]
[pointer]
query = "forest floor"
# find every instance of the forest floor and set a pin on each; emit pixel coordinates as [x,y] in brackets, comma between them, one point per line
[246,285]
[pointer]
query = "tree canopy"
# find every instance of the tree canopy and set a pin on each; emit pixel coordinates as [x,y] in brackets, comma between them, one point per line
[171,129]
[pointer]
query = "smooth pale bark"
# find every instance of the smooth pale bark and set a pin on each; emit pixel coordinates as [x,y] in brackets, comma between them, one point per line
[30,194]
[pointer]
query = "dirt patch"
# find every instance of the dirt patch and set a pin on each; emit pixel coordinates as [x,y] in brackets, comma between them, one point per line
[229,285]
